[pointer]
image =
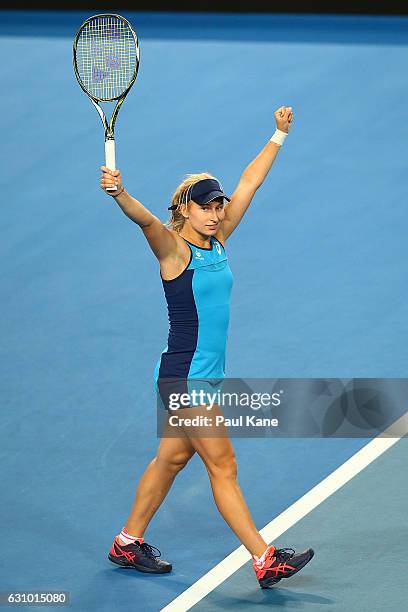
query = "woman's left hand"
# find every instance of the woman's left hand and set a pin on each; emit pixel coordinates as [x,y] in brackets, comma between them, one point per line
[284,118]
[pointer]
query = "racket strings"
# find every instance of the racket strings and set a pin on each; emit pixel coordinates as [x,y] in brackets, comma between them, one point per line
[107,57]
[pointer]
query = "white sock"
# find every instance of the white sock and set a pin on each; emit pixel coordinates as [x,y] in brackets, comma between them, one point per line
[261,559]
[125,538]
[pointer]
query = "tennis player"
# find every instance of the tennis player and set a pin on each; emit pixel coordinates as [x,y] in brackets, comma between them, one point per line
[190,245]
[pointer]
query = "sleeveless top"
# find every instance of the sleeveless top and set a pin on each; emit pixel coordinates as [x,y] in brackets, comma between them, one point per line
[198,302]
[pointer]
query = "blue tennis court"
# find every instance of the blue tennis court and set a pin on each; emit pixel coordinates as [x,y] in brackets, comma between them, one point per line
[320,291]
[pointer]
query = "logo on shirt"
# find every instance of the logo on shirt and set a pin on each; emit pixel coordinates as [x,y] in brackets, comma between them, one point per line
[217,246]
[198,254]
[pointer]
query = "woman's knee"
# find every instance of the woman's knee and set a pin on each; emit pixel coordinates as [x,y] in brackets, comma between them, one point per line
[174,463]
[224,466]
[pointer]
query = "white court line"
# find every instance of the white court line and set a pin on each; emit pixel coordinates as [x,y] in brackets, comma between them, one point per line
[292,515]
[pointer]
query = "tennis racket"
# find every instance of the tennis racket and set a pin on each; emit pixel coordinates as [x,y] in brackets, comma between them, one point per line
[106,59]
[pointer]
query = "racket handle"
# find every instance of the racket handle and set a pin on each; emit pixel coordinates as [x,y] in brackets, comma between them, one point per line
[110,161]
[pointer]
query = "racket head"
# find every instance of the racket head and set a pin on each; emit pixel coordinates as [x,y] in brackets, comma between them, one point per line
[106,57]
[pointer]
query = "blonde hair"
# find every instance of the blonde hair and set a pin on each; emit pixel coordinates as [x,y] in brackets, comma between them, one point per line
[181,197]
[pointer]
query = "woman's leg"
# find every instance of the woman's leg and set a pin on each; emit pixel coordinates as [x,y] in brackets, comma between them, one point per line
[172,455]
[218,456]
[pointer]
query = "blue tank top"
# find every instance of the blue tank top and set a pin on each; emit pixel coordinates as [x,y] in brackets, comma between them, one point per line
[198,303]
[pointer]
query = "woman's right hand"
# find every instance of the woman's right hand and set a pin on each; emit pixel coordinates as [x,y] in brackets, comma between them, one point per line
[111,178]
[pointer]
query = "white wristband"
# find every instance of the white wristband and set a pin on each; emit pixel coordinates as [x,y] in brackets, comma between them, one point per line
[279,137]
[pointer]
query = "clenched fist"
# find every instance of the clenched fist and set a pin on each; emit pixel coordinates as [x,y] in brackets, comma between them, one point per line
[284,118]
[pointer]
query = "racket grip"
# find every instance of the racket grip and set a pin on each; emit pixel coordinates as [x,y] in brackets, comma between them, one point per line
[110,161]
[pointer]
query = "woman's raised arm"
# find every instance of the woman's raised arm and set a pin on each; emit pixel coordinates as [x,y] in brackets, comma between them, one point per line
[161,240]
[255,173]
